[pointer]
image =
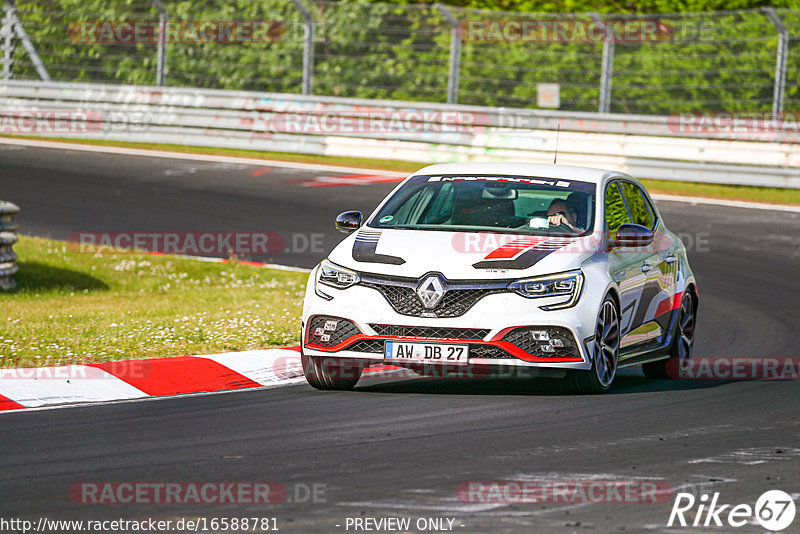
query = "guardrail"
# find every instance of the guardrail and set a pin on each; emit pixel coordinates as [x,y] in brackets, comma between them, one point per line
[670,148]
[744,59]
[8,236]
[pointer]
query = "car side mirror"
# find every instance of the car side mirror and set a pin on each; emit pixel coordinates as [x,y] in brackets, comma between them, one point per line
[348,221]
[632,235]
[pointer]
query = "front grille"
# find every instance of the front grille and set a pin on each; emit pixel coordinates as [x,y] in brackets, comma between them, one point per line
[457,300]
[372,346]
[435,332]
[489,351]
[544,341]
[327,331]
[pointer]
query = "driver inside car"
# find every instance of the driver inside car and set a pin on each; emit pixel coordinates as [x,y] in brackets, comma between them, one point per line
[563,213]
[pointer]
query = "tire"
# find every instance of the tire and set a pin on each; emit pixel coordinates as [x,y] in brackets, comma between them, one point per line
[331,373]
[680,351]
[600,378]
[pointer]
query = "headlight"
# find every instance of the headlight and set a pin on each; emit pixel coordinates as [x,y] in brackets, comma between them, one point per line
[567,285]
[332,275]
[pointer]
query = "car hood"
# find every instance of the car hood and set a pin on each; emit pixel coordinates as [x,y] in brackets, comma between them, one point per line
[461,255]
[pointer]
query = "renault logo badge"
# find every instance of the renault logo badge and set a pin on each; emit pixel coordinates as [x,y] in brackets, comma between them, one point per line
[430,291]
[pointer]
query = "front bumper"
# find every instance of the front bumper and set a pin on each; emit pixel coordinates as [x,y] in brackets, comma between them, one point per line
[499,329]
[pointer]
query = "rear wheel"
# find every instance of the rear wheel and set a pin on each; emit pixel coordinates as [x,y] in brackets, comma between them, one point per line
[680,352]
[331,373]
[605,354]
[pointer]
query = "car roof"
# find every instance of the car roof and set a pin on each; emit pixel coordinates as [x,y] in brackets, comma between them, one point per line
[539,170]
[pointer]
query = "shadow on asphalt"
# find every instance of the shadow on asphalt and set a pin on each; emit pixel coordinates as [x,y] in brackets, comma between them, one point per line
[35,276]
[530,387]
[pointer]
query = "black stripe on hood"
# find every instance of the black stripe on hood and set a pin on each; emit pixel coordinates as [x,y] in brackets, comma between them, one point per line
[366,244]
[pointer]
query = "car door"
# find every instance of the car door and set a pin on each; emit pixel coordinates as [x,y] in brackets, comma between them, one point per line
[625,263]
[655,279]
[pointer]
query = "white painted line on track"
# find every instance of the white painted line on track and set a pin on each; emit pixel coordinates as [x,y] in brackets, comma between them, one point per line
[335,168]
[192,156]
[726,203]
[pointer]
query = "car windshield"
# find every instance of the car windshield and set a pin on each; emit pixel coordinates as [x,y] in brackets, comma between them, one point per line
[496,203]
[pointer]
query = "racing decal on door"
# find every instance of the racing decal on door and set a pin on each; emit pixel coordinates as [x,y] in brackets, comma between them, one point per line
[650,291]
[521,253]
[669,304]
[365,246]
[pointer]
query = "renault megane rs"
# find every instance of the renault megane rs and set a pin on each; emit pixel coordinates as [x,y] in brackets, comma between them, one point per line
[549,269]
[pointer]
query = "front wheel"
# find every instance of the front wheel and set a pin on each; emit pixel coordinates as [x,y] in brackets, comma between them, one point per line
[680,352]
[331,373]
[605,354]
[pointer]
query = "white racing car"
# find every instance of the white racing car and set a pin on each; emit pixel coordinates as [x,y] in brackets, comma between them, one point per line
[548,269]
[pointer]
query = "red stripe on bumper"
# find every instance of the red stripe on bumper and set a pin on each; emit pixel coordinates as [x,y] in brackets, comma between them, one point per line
[505,345]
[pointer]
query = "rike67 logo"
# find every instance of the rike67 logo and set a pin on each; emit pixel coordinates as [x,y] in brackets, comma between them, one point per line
[774,510]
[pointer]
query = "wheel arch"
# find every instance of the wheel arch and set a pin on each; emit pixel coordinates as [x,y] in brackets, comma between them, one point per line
[613,292]
[691,288]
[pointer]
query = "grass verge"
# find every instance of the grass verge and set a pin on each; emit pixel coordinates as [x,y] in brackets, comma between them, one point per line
[73,307]
[769,195]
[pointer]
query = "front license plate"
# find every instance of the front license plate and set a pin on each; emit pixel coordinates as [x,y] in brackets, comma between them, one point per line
[426,352]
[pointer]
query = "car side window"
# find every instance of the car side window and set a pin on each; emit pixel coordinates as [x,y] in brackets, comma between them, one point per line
[652,209]
[616,213]
[640,213]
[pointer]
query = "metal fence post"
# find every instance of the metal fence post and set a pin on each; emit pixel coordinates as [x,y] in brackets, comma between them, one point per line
[8,236]
[780,60]
[22,35]
[308,47]
[455,54]
[7,36]
[606,67]
[161,58]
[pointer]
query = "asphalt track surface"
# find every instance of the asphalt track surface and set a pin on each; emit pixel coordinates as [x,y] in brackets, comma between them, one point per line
[401,449]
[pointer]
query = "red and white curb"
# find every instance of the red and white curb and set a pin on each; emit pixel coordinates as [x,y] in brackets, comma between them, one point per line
[212,259]
[135,379]
[39,387]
